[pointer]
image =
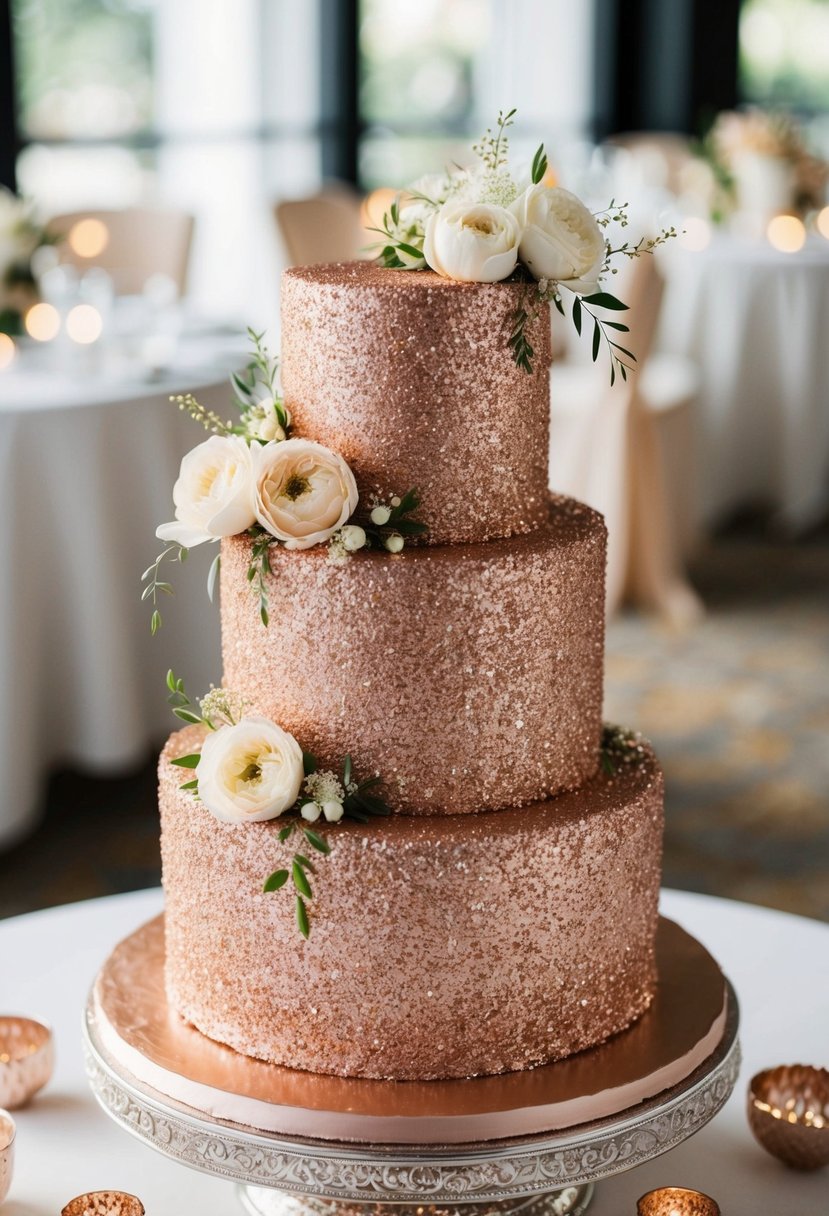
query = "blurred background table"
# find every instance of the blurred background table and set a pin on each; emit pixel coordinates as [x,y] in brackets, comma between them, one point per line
[66,1145]
[87,462]
[755,321]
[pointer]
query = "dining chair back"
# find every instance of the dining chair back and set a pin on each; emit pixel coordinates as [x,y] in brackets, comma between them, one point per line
[323,228]
[610,447]
[131,244]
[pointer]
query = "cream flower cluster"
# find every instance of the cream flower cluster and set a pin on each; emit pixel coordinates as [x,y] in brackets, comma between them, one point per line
[300,492]
[325,797]
[485,227]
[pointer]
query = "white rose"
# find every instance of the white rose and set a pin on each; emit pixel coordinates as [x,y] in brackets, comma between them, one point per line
[214,493]
[303,492]
[560,240]
[475,243]
[249,772]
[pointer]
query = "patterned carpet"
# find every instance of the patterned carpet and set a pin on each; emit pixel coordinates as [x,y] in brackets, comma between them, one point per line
[737,707]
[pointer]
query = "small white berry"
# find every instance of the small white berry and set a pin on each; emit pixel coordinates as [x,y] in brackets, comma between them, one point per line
[333,811]
[395,502]
[394,543]
[380,516]
[310,811]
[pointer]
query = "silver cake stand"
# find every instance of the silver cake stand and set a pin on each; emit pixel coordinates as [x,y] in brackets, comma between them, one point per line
[278,1175]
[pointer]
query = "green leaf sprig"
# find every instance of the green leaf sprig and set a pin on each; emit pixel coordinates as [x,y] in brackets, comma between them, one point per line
[493,149]
[218,708]
[156,585]
[619,748]
[359,804]
[260,568]
[398,522]
[259,379]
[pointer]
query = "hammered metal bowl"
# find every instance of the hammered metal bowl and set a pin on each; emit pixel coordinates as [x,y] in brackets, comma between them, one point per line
[104,1203]
[27,1058]
[788,1111]
[676,1201]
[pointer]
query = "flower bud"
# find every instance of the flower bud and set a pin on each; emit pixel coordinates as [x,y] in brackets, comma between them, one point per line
[380,516]
[394,543]
[333,811]
[310,811]
[353,537]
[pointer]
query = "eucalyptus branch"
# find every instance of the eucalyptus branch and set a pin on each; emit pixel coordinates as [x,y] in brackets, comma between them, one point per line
[157,586]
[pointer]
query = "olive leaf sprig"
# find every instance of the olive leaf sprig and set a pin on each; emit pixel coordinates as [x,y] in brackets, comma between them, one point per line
[359,804]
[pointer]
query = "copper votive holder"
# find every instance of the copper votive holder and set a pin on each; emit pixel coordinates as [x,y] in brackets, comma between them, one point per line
[676,1201]
[788,1111]
[104,1203]
[27,1058]
[6,1152]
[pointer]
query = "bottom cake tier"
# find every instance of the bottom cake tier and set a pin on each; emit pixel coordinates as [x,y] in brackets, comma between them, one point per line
[441,946]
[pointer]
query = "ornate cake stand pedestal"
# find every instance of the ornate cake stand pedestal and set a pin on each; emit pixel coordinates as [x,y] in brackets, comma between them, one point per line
[525,1144]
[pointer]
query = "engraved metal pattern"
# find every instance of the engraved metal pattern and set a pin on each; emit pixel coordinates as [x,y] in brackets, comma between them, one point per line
[461,1174]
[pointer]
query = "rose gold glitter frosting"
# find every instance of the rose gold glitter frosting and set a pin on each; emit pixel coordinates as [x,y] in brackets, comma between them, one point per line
[409,377]
[440,947]
[469,676]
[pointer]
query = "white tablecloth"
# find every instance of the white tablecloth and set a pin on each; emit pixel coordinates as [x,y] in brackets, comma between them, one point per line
[756,321]
[87,465]
[66,1145]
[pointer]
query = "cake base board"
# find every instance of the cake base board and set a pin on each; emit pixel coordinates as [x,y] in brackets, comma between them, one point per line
[131,1021]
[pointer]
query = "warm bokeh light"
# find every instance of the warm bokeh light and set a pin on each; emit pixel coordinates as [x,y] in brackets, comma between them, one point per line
[6,350]
[695,233]
[87,238]
[84,324]
[42,322]
[786,233]
[822,222]
[375,205]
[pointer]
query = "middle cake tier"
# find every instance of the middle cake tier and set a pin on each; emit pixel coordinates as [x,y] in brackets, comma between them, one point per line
[469,677]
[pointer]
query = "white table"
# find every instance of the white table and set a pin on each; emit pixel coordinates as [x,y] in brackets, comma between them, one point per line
[66,1145]
[87,465]
[756,321]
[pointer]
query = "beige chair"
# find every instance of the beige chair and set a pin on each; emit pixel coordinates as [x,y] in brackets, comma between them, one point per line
[628,452]
[138,242]
[323,228]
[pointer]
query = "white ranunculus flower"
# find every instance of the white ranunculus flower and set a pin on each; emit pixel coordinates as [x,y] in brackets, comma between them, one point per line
[560,239]
[303,492]
[214,493]
[249,772]
[472,242]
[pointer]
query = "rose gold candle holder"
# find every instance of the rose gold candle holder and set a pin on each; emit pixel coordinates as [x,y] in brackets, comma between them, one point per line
[788,1111]
[6,1153]
[104,1203]
[27,1057]
[676,1201]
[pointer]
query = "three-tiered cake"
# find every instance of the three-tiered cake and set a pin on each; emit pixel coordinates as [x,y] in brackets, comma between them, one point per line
[504,915]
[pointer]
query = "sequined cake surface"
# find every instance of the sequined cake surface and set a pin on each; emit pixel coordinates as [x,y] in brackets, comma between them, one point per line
[441,946]
[409,376]
[469,676]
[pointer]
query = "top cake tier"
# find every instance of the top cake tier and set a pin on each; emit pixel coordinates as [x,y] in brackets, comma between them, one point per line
[408,376]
